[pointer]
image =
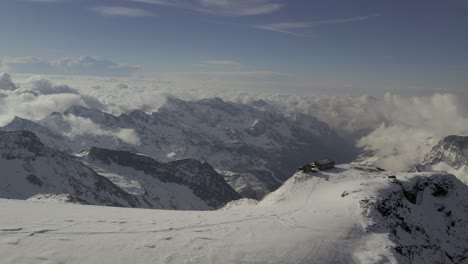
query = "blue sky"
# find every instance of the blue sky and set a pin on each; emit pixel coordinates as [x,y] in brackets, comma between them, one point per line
[332,43]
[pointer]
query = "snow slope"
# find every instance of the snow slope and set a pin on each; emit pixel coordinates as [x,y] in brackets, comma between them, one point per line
[346,215]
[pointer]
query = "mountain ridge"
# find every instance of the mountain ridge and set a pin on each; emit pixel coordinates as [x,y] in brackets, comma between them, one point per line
[31,168]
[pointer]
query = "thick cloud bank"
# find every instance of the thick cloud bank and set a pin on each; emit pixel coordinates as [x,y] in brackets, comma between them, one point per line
[396,128]
[413,126]
[37,97]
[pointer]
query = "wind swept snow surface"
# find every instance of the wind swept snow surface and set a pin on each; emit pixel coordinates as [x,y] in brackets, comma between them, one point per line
[345,215]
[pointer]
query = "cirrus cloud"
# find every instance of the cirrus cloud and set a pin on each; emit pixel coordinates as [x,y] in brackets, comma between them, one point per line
[122,11]
[288,27]
[222,7]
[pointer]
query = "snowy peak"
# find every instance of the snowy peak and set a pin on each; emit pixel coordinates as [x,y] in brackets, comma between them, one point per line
[262,105]
[213,104]
[452,150]
[46,135]
[21,122]
[138,115]
[450,155]
[94,115]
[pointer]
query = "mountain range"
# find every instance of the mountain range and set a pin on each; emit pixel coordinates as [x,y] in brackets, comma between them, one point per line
[254,147]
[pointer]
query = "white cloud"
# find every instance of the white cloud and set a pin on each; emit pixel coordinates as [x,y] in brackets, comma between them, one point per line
[288,27]
[35,107]
[122,11]
[40,85]
[84,126]
[222,7]
[36,97]
[285,28]
[413,126]
[221,63]
[84,65]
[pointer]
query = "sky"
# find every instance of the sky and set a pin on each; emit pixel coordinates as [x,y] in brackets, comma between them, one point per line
[305,45]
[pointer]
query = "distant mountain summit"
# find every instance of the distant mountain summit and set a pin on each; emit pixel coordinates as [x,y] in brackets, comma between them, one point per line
[47,135]
[452,150]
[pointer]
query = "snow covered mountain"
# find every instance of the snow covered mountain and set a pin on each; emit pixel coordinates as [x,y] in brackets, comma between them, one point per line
[46,135]
[451,155]
[183,184]
[31,169]
[350,214]
[403,217]
[236,139]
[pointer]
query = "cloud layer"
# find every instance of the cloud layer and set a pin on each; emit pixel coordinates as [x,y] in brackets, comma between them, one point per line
[84,65]
[413,126]
[83,126]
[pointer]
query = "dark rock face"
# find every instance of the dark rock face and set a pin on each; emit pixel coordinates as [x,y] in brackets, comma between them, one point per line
[200,177]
